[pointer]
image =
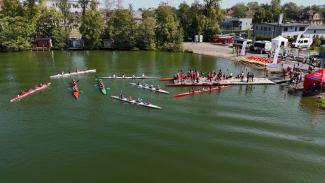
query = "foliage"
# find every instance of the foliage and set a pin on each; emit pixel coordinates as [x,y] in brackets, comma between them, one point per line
[322,103]
[16,33]
[240,10]
[200,18]
[49,26]
[121,27]
[169,33]
[291,11]
[146,37]
[91,28]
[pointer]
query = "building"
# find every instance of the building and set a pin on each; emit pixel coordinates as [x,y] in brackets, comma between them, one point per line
[74,5]
[236,24]
[42,44]
[314,18]
[272,30]
[314,31]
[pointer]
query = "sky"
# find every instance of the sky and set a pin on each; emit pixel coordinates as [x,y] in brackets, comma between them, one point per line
[224,3]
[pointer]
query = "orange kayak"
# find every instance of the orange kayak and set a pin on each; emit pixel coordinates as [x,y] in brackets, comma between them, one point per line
[75,91]
[167,79]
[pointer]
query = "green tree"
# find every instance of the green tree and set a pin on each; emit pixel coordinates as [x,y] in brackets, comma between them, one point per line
[49,26]
[16,33]
[91,28]
[275,9]
[240,10]
[121,28]
[146,37]
[185,18]
[11,8]
[169,33]
[291,11]
[213,15]
[69,20]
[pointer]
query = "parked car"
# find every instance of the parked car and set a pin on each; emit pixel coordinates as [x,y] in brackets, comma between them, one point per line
[303,43]
[238,42]
[262,46]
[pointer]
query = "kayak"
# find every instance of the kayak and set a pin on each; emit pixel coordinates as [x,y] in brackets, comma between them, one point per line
[18,97]
[102,89]
[135,102]
[193,84]
[128,77]
[151,89]
[75,91]
[167,79]
[72,74]
[201,91]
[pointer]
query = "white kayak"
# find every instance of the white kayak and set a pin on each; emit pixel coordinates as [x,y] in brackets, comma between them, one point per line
[136,102]
[72,73]
[147,87]
[128,77]
[32,91]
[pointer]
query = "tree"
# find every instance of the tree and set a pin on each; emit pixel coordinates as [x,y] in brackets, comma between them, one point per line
[185,18]
[121,28]
[291,11]
[146,37]
[16,33]
[49,26]
[83,4]
[91,28]
[68,18]
[11,8]
[275,9]
[169,33]
[240,10]
[214,15]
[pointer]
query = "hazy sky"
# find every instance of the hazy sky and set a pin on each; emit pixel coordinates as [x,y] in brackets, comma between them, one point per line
[225,3]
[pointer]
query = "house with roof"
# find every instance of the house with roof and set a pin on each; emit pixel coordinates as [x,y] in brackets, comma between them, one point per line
[237,24]
[314,18]
[272,30]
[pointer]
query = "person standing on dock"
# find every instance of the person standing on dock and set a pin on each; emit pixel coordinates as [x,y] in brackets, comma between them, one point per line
[252,76]
[248,75]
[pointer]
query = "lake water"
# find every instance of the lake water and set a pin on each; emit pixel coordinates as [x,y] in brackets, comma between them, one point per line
[241,134]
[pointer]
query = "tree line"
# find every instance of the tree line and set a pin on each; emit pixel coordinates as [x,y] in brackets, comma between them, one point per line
[162,28]
[270,12]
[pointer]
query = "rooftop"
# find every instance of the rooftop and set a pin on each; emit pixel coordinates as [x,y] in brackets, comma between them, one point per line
[317,27]
[287,24]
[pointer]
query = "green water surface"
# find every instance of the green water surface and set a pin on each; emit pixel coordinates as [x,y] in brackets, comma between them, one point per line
[258,134]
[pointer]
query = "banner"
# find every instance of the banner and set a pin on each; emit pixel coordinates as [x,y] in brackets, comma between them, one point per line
[243,49]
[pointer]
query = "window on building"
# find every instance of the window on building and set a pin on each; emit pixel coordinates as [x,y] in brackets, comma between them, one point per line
[265,28]
[301,28]
[269,28]
[256,27]
[315,31]
[296,28]
[285,29]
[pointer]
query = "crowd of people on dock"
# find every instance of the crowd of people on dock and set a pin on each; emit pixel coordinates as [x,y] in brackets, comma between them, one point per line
[195,76]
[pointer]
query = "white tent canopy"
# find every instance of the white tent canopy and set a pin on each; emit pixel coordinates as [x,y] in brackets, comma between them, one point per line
[279,42]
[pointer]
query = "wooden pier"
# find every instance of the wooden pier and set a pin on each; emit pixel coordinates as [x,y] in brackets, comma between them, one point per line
[231,81]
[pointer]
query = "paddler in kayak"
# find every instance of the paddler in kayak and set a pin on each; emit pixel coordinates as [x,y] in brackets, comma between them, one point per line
[74,82]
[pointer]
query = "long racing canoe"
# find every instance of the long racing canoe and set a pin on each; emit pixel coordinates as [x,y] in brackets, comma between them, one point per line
[128,77]
[147,87]
[204,90]
[124,99]
[30,92]
[62,75]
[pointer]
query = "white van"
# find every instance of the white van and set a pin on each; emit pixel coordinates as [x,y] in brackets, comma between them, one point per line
[238,41]
[303,43]
[262,46]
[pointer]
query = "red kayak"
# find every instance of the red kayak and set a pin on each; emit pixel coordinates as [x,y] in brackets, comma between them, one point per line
[193,84]
[75,91]
[204,90]
[30,92]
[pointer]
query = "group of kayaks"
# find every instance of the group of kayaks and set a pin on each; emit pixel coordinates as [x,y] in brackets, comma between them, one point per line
[101,87]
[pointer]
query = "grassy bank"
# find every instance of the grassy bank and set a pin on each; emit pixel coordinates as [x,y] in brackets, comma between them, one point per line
[322,103]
